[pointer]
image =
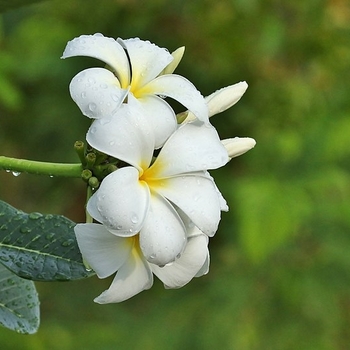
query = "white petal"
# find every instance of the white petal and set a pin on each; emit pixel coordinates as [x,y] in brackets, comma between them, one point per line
[147,61]
[193,147]
[196,196]
[121,201]
[105,49]
[187,266]
[163,236]
[97,92]
[177,54]
[238,145]
[181,90]
[126,135]
[161,118]
[132,278]
[104,252]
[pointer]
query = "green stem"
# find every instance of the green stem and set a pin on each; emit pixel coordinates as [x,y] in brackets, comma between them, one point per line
[40,168]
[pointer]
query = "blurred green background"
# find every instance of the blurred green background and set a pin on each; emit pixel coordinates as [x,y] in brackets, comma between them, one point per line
[280,262]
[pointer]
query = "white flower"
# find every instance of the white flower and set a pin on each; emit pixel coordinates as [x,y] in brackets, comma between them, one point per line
[107,253]
[146,197]
[134,69]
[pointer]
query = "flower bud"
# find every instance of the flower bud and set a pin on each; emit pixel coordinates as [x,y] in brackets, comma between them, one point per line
[225,98]
[177,55]
[238,145]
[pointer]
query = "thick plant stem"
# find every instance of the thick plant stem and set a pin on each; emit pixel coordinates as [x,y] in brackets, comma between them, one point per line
[40,168]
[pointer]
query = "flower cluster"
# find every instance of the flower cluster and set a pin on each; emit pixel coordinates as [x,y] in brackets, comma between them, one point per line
[156,212]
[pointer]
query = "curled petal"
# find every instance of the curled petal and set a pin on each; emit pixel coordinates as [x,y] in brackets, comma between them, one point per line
[161,118]
[104,252]
[105,49]
[193,147]
[121,202]
[97,92]
[126,135]
[187,266]
[238,145]
[222,200]
[181,90]
[196,196]
[147,60]
[205,268]
[163,236]
[132,278]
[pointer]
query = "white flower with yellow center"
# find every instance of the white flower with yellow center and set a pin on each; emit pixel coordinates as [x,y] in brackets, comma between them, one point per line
[107,253]
[138,68]
[146,196]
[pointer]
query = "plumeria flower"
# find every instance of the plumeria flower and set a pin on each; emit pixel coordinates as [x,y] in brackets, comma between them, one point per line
[146,196]
[107,253]
[135,67]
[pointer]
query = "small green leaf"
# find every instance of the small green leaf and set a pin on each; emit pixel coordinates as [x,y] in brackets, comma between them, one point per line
[19,303]
[39,247]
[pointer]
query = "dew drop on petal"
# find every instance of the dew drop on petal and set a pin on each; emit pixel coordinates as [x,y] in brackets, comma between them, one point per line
[16,173]
[83,94]
[134,218]
[92,106]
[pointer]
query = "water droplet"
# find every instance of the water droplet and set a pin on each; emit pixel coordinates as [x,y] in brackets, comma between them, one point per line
[111,143]
[25,229]
[16,173]
[93,130]
[134,218]
[83,94]
[92,106]
[35,216]
[103,86]
[104,121]
[91,80]
[67,243]
[50,236]
[115,97]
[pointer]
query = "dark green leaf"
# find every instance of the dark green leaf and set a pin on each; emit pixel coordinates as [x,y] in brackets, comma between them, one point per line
[39,247]
[19,303]
[12,4]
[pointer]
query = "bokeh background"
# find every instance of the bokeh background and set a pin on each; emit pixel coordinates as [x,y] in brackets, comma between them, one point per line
[280,262]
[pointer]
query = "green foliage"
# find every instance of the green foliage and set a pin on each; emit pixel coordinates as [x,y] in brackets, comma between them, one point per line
[6,5]
[19,303]
[39,247]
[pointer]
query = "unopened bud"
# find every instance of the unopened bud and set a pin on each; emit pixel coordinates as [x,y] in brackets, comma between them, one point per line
[225,98]
[177,55]
[222,99]
[238,145]
[93,182]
